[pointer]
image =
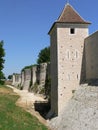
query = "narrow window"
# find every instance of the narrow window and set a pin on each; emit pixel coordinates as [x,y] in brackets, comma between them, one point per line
[77,76]
[72,31]
[76,54]
[68,54]
[68,76]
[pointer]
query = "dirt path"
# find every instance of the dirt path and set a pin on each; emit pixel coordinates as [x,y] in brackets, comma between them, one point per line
[27,101]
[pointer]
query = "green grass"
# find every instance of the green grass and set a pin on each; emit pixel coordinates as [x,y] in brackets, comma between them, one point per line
[13,117]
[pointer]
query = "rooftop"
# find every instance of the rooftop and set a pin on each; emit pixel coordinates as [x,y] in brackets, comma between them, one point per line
[69,15]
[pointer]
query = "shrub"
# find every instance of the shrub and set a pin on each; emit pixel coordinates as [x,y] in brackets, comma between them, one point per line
[2,82]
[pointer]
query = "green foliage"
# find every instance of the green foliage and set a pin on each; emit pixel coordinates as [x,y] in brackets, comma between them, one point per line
[13,117]
[2,78]
[10,77]
[42,90]
[28,67]
[44,55]
[2,54]
[35,88]
[2,82]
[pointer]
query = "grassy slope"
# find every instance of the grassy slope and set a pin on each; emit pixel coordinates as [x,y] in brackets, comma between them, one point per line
[13,117]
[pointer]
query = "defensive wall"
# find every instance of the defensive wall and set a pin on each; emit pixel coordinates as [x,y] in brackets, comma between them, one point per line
[28,77]
[91,54]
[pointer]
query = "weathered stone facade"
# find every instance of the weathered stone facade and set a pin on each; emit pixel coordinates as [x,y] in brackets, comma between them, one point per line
[27,79]
[16,79]
[67,45]
[35,74]
[91,54]
[73,57]
[41,73]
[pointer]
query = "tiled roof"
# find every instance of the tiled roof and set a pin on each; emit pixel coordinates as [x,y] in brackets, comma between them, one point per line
[69,15]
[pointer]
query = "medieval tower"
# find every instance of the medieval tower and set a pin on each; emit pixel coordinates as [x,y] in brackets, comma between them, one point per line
[67,36]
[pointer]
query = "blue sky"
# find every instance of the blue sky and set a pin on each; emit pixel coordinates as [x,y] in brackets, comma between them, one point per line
[24,25]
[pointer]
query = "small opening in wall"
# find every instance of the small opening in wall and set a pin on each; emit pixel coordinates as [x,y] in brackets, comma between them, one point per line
[72,31]
[68,76]
[76,54]
[77,76]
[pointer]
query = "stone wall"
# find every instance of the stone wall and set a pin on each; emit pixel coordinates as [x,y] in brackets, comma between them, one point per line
[22,78]
[16,79]
[66,60]
[42,68]
[91,52]
[35,74]
[27,79]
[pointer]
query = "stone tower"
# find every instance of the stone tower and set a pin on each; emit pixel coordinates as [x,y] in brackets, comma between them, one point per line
[67,36]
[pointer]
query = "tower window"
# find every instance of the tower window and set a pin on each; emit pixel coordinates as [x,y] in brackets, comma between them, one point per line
[72,31]
[67,54]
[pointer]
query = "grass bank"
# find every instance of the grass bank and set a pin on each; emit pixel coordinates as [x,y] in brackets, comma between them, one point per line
[13,117]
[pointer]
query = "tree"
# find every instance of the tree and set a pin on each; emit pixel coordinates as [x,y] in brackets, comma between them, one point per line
[2,54]
[44,55]
[10,76]
[28,67]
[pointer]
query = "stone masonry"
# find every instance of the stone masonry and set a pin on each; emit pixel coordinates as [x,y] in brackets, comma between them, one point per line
[81,112]
[35,74]
[16,79]
[91,54]
[67,45]
[27,79]
[73,57]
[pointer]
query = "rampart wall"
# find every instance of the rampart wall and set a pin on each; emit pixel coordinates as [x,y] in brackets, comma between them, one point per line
[91,54]
[28,77]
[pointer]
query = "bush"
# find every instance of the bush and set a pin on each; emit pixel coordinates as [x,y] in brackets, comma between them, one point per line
[2,82]
[34,88]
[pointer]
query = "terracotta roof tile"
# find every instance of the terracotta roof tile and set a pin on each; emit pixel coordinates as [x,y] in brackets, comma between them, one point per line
[69,15]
